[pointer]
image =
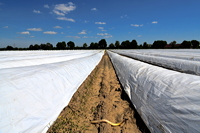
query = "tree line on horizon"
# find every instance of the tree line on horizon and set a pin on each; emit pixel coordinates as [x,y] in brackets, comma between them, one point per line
[102,44]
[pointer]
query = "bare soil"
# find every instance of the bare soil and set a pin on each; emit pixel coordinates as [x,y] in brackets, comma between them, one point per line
[100,97]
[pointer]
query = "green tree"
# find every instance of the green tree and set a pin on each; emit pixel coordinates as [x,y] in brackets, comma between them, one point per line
[61,45]
[173,43]
[70,45]
[159,44]
[195,43]
[125,44]
[102,44]
[9,48]
[85,45]
[117,44]
[36,47]
[145,45]
[133,44]
[31,47]
[186,44]
[49,46]
[111,46]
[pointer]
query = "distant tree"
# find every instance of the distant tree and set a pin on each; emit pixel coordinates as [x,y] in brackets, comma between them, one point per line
[195,43]
[186,44]
[140,46]
[117,44]
[49,46]
[9,48]
[61,45]
[36,47]
[145,45]
[173,43]
[85,45]
[31,47]
[111,46]
[133,44]
[159,44]
[102,44]
[43,46]
[125,44]
[70,45]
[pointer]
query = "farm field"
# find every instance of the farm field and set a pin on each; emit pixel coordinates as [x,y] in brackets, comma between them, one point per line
[182,60]
[99,97]
[78,87]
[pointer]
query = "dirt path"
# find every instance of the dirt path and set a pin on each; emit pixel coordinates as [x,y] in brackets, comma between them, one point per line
[99,97]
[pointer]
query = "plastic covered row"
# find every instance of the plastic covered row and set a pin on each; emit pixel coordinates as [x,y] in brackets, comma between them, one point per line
[168,101]
[178,64]
[29,58]
[32,97]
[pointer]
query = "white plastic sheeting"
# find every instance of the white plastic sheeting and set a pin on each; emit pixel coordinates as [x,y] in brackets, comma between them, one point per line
[31,97]
[167,101]
[180,60]
[29,58]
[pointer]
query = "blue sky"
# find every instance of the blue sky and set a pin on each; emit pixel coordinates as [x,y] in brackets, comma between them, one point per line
[25,22]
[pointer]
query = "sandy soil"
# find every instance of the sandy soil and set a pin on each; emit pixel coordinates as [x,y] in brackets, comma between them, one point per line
[99,97]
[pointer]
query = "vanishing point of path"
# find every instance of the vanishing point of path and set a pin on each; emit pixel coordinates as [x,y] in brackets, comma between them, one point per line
[99,97]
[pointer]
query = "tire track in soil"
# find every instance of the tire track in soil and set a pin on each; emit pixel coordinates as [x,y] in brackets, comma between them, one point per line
[99,97]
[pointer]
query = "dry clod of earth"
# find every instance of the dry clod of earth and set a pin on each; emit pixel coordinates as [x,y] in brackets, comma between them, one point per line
[99,97]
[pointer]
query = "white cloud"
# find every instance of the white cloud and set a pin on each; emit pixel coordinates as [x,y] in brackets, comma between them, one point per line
[86,21]
[94,9]
[124,16]
[58,13]
[101,28]
[83,32]
[154,22]
[6,27]
[85,37]
[57,27]
[50,32]
[46,6]
[76,37]
[108,36]
[24,33]
[136,25]
[35,11]
[103,34]
[31,36]
[68,26]
[66,19]
[139,35]
[62,33]
[62,9]
[100,23]
[35,29]
[1,3]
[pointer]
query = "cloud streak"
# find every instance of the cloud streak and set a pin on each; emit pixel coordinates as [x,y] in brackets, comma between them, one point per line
[24,33]
[46,6]
[62,9]
[83,32]
[50,32]
[100,22]
[154,22]
[66,19]
[94,9]
[35,29]
[57,27]
[35,11]
[137,25]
